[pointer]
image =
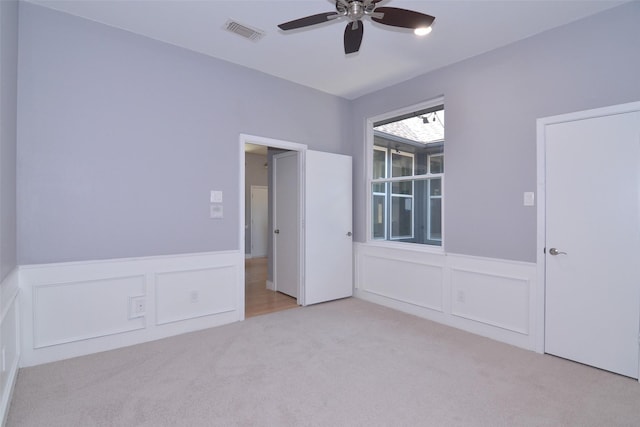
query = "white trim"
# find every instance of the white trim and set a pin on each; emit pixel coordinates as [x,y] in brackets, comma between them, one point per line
[541,124]
[285,145]
[10,338]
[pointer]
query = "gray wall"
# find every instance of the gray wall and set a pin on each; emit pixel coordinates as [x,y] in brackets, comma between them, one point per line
[122,138]
[492,102]
[8,99]
[255,174]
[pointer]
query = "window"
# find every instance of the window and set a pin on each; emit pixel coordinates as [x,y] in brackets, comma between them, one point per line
[407,177]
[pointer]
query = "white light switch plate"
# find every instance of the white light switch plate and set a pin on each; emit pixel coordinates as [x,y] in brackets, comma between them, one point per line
[529,198]
[216,196]
[216,212]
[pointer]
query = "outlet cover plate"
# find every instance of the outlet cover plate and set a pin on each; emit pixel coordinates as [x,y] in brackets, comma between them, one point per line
[137,306]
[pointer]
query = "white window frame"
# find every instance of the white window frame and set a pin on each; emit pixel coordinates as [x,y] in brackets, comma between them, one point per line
[430,197]
[391,180]
[369,147]
[371,193]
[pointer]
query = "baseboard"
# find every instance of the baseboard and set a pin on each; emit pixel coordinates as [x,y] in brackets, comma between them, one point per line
[9,339]
[489,297]
[79,308]
[270,285]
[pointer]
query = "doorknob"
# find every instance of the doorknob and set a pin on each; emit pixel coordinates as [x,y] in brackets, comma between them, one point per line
[276,231]
[554,252]
[349,233]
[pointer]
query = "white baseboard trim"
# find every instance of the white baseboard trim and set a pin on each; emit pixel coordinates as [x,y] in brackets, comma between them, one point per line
[485,296]
[78,308]
[270,285]
[9,339]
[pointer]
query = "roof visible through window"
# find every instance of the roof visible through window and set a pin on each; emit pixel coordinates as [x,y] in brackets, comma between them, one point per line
[422,127]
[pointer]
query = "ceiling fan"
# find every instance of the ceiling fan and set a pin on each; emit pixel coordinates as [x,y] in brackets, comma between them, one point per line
[355,10]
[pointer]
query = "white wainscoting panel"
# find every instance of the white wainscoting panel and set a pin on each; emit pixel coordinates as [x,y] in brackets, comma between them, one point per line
[9,339]
[183,295]
[78,308]
[101,308]
[489,297]
[413,281]
[475,293]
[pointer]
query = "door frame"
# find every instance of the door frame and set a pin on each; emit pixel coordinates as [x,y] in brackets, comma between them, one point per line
[275,143]
[542,123]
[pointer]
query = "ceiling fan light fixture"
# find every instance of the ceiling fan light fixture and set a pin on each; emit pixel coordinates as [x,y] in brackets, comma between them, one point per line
[355,11]
[422,31]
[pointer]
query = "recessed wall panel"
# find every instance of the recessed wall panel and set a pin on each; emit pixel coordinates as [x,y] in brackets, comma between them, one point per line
[73,311]
[489,298]
[408,281]
[182,295]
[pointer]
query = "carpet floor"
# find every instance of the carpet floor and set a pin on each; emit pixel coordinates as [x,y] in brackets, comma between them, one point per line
[343,363]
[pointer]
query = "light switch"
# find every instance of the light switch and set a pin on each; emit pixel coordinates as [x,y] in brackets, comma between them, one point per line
[216,196]
[215,211]
[529,198]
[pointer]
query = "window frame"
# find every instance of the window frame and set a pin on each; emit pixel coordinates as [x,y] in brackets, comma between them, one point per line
[369,181]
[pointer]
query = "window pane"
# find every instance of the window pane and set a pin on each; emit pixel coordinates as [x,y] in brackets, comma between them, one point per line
[436,164]
[436,187]
[402,187]
[378,217]
[406,200]
[421,166]
[401,217]
[401,165]
[379,166]
[435,219]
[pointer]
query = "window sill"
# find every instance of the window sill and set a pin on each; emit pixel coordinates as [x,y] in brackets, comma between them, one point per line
[413,247]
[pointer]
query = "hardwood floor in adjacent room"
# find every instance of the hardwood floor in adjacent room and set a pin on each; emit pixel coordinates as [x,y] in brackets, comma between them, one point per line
[258,299]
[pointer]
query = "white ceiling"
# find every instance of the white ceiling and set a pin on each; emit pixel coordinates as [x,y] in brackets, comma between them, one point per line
[314,56]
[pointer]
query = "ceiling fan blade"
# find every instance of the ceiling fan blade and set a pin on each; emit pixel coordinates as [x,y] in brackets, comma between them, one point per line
[308,20]
[353,36]
[404,18]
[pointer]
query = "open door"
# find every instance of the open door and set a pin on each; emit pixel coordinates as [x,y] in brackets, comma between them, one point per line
[328,264]
[287,255]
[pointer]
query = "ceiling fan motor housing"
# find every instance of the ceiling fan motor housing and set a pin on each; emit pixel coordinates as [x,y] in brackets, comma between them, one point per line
[356,9]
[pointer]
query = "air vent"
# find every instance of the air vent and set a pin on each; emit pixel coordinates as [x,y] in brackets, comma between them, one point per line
[244,31]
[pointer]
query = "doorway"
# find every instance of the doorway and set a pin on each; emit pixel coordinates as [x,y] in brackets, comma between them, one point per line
[589,237]
[260,293]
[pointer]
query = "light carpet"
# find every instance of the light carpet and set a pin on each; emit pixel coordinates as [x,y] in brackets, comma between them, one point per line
[344,363]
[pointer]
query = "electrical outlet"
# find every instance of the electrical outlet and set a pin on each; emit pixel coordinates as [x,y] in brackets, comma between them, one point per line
[194,297]
[461,296]
[137,307]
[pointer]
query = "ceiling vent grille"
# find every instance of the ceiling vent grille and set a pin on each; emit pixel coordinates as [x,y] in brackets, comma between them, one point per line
[244,31]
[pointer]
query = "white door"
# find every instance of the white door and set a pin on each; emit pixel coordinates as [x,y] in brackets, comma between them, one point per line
[328,222]
[259,220]
[592,293]
[286,223]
